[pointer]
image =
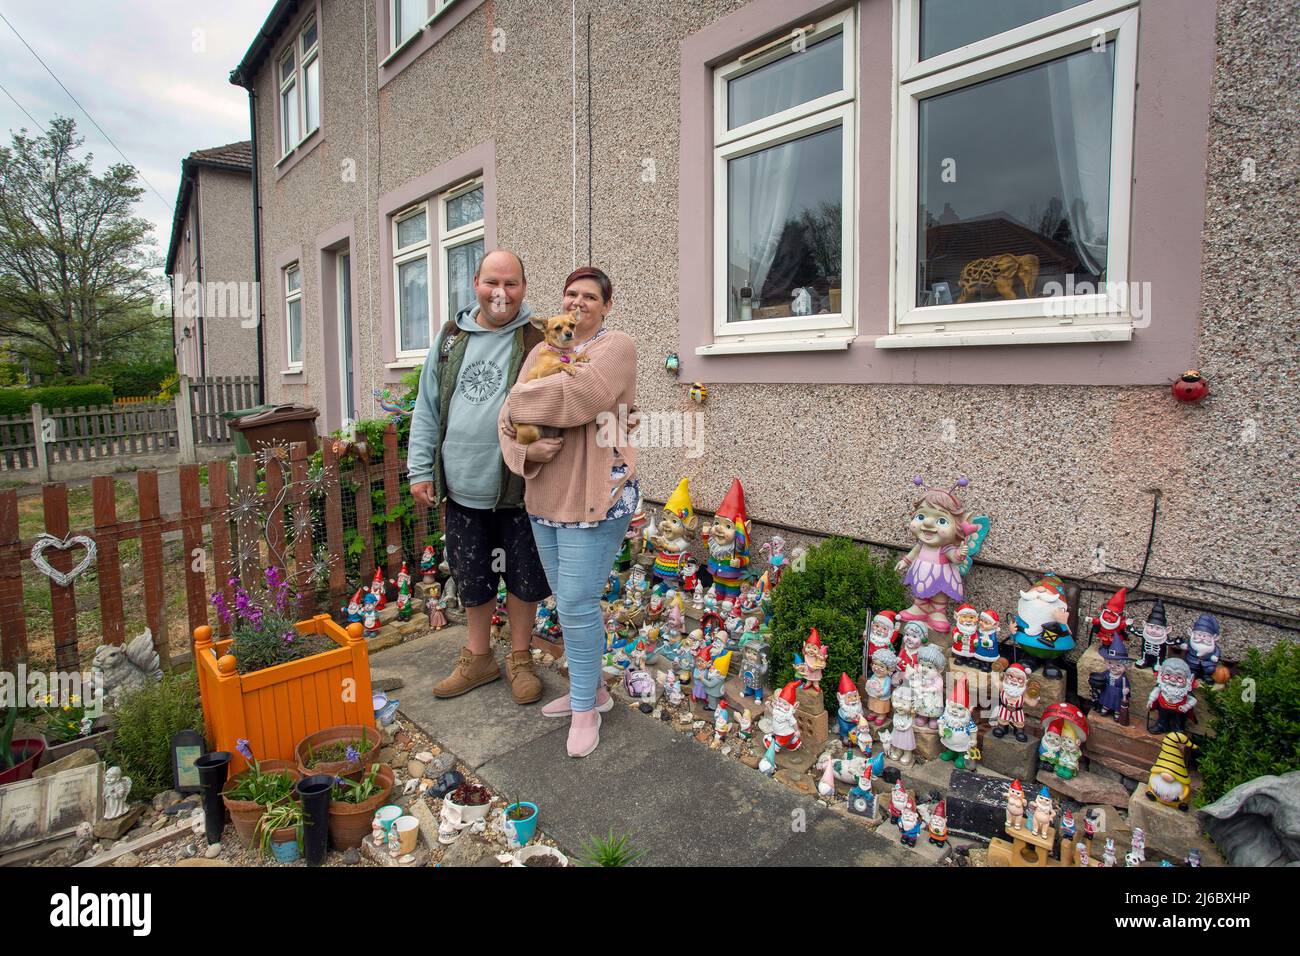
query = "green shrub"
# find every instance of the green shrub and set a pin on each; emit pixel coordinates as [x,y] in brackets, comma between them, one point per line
[1255,721]
[19,401]
[139,378]
[839,582]
[143,725]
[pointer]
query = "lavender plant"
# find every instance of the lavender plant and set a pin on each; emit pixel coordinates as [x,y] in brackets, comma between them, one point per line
[262,624]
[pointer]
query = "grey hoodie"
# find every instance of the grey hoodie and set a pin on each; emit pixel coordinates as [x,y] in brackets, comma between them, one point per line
[471,453]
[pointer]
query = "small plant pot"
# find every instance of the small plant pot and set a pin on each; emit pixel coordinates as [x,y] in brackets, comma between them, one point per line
[538,851]
[25,754]
[350,823]
[333,735]
[244,814]
[521,832]
[469,813]
[98,741]
[284,845]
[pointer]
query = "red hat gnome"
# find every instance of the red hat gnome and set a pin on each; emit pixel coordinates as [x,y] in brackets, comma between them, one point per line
[728,541]
[850,709]
[1111,622]
[956,728]
[785,727]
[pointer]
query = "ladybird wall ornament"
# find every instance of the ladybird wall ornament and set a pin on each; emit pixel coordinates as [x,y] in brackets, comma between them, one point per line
[1191,387]
[699,393]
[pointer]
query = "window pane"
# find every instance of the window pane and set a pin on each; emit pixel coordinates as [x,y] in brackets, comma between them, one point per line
[465,209]
[289,116]
[462,260]
[784,227]
[287,67]
[948,24]
[413,288]
[412,229]
[789,81]
[311,94]
[309,37]
[1014,183]
[411,15]
[295,330]
[293,280]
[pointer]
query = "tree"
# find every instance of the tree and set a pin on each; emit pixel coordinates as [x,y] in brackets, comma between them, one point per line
[78,272]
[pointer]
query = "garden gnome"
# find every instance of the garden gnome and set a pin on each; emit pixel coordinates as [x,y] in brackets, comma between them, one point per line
[1067,826]
[935,568]
[880,685]
[672,687]
[902,737]
[850,707]
[437,608]
[882,631]
[721,724]
[370,616]
[814,661]
[404,609]
[963,635]
[1112,690]
[986,640]
[897,802]
[1042,630]
[714,679]
[1155,634]
[936,824]
[767,764]
[774,550]
[927,681]
[728,541]
[404,575]
[1067,763]
[915,637]
[670,539]
[117,789]
[1049,748]
[1108,852]
[427,564]
[690,576]
[1081,854]
[1171,699]
[377,589]
[1202,655]
[697,596]
[1111,622]
[957,728]
[753,669]
[377,834]
[1169,781]
[1015,806]
[699,671]
[744,724]
[862,801]
[909,824]
[785,728]
[1041,814]
[1138,845]
[1011,702]
[355,608]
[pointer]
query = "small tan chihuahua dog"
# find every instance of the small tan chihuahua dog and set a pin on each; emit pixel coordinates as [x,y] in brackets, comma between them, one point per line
[556,356]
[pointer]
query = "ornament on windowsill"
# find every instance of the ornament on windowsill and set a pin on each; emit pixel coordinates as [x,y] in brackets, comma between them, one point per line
[699,393]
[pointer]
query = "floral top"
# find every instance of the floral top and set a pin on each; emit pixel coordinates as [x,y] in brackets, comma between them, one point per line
[626,504]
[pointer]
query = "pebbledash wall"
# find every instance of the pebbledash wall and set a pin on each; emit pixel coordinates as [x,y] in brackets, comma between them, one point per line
[1063,443]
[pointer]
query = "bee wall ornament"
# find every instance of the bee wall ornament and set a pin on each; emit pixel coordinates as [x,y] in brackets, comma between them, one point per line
[699,393]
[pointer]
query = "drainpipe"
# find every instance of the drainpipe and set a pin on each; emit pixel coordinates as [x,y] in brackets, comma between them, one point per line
[257,244]
[196,205]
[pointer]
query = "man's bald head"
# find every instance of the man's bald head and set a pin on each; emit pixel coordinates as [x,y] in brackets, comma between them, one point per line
[502,258]
[499,286]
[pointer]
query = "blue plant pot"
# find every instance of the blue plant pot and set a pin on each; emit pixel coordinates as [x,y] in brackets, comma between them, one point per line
[286,852]
[521,832]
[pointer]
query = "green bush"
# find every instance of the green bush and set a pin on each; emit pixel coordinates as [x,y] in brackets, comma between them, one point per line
[138,379]
[1255,721]
[839,582]
[19,401]
[143,725]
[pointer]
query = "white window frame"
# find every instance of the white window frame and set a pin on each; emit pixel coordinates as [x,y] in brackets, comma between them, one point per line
[306,59]
[1098,317]
[450,239]
[838,108]
[401,256]
[291,296]
[288,88]
[296,84]
[394,23]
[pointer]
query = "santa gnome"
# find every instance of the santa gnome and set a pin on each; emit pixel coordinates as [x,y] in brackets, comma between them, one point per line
[850,709]
[897,802]
[963,635]
[377,589]
[1011,702]
[785,728]
[1110,622]
[883,631]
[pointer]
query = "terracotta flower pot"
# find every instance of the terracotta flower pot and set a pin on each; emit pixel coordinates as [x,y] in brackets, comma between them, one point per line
[350,822]
[29,749]
[333,735]
[245,813]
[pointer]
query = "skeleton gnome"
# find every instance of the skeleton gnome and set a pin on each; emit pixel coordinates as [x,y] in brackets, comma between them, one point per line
[1155,634]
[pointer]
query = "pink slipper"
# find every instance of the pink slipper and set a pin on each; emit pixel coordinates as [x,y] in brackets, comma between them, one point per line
[584,733]
[560,707]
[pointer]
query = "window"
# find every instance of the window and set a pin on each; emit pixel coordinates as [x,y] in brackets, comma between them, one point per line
[784,209]
[408,18]
[293,315]
[300,89]
[460,248]
[1013,169]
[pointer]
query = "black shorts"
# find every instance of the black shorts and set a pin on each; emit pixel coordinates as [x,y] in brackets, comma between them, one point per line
[484,546]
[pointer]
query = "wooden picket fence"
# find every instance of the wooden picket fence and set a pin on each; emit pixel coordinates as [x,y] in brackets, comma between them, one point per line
[233,540]
[209,397]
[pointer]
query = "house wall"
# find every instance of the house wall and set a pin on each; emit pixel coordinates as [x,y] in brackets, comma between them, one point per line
[187,268]
[226,216]
[1064,470]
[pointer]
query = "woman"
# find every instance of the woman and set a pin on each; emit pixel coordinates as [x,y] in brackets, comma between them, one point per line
[581,487]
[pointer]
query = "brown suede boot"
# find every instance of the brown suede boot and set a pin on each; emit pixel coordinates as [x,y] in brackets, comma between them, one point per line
[525,686]
[472,670]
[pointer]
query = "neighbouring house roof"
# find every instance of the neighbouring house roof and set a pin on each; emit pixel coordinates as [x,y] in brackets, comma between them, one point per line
[233,157]
[276,20]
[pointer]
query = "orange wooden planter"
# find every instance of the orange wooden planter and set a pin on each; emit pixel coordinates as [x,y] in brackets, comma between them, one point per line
[276,707]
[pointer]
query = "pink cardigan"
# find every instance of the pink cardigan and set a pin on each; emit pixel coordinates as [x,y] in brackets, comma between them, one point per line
[575,485]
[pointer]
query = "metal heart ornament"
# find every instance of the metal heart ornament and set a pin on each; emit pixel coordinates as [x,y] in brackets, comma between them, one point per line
[61,578]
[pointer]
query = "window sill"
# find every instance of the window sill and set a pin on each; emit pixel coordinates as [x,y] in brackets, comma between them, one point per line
[743,347]
[1062,336]
[293,374]
[304,148]
[399,50]
[404,363]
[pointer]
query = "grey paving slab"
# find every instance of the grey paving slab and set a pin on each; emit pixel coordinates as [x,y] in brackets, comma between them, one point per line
[476,726]
[830,839]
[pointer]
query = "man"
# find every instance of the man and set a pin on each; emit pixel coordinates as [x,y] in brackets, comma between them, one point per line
[455,457]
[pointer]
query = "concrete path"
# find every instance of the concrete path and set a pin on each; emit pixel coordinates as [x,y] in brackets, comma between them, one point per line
[677,800]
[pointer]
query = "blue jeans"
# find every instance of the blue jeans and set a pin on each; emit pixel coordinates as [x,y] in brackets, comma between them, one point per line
[577,562]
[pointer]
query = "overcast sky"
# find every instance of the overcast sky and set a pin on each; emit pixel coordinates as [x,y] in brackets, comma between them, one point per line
[153,73]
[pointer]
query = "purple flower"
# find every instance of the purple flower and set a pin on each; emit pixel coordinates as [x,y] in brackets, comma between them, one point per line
[245,751]
[223,611]
[288,636]
[352,754]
